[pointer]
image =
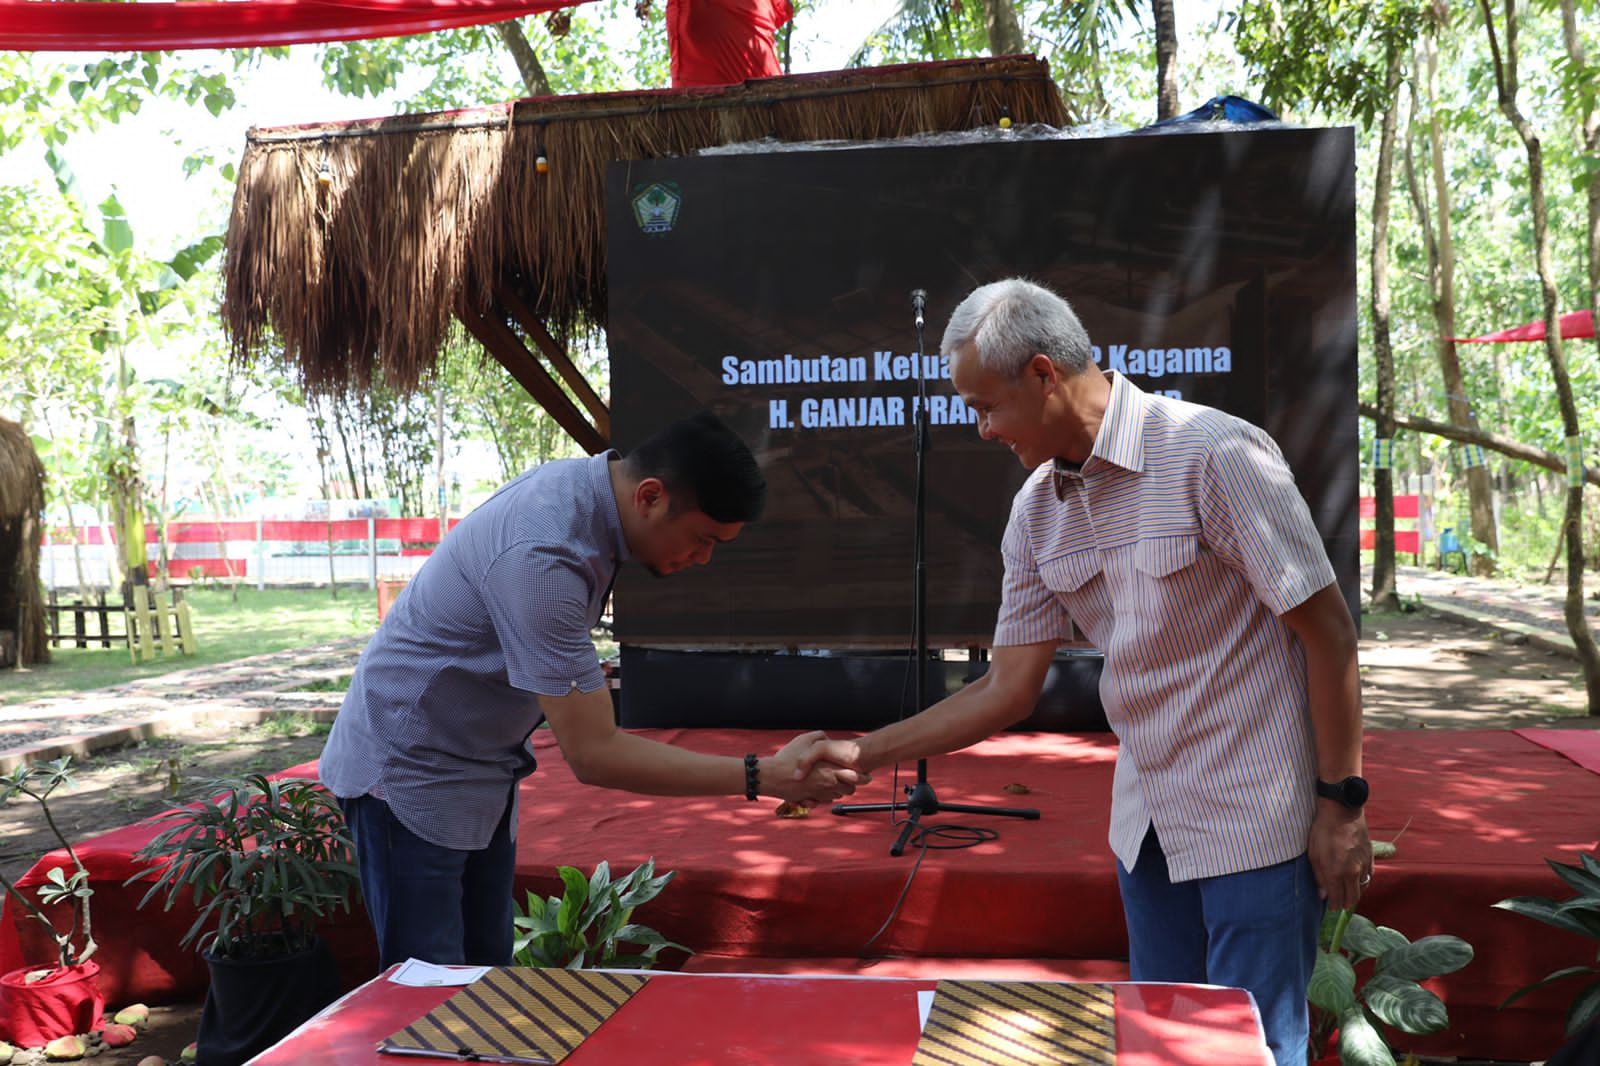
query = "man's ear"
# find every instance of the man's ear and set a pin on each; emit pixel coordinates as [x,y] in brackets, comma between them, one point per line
[1042,370]
[648,495]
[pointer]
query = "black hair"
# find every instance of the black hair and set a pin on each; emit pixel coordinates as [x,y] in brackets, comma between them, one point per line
[703,464]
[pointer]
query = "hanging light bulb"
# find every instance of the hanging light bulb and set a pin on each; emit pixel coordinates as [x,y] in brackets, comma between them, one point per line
[1005,118]
[324,173]
[541,164]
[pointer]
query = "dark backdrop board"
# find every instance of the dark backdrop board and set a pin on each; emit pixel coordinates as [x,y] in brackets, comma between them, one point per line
[1217,266]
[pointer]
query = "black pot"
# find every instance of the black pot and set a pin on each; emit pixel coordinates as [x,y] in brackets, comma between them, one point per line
[255,1002]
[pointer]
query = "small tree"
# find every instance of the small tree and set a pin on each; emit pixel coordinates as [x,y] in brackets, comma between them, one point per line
[76,944]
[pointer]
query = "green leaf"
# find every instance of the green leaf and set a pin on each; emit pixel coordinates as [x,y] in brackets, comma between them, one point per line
[1428,957]
[1582,879]
[67,182]
[117,232]
[1359,1043]
[1548,911]
[1333,983]
[572,901]
[1404,1004]
[1550,978]
[1585,1009]
[601,881]
[1369,941]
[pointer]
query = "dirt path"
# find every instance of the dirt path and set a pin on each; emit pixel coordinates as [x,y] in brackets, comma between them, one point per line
[1419,671]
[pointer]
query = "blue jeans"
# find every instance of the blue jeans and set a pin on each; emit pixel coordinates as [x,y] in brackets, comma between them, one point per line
[437,904]
[1255,930]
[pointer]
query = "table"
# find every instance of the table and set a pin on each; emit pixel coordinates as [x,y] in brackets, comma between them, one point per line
[755,1019]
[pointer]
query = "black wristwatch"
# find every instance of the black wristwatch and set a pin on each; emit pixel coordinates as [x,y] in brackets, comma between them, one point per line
[1351,792]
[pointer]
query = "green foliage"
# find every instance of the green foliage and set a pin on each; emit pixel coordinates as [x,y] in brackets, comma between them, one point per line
[38,782]
[1391,994]
[262,863]
[601,47]
[1579,914]
[1329,55]
[590,925]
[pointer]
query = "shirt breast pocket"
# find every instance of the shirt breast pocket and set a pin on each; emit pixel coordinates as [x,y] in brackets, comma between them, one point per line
[1161,557]
[1070,573]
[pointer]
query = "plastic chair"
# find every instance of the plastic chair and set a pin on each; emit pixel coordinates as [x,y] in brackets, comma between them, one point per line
[1450,551]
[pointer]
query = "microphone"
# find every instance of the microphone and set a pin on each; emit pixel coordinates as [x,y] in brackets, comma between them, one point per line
[919,299]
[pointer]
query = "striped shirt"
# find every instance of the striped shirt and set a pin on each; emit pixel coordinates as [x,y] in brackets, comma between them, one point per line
[1175,547]
[438,714]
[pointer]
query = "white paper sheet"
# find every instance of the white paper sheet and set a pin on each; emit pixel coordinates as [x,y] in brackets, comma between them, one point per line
[419,974]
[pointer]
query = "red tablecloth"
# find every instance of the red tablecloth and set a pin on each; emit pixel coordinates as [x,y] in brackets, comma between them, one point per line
[754,1020]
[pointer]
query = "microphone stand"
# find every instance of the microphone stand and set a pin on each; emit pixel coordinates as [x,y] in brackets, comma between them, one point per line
[920,797]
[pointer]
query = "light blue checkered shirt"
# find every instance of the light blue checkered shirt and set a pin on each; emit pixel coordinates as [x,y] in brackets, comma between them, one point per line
[439,711]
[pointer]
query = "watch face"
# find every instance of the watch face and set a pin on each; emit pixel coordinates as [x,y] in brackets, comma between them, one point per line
[1355,791]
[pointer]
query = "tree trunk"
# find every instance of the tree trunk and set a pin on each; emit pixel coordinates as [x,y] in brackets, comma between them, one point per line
[1384,597]
[1589,139]
[528,65]
[319,426]
[1505,76]
[1441,276]
[358,487]
[1005,32]
[1166,59]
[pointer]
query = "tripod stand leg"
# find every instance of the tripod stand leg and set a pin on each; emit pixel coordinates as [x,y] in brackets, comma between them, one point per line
[899,846]
[866,808]
[1003,812]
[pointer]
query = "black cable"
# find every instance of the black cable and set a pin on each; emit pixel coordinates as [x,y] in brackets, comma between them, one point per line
[961,836]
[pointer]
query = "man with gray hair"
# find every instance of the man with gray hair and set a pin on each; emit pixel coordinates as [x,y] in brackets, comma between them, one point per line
[1174,536]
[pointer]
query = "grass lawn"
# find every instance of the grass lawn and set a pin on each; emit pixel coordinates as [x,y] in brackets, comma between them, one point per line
[260,622]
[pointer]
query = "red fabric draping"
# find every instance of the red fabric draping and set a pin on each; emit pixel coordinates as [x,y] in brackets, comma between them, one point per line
[723,42]
[1474,816]
[84,25]
[1573,324]
[1582,746]
[786,1021]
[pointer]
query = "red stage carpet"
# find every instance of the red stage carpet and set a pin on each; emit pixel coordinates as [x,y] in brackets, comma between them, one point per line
[1476,815]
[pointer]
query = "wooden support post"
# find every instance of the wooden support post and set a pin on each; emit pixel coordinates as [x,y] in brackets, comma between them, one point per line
[183,623]
[141,642]
[534,328]
[509,350]
[102,614]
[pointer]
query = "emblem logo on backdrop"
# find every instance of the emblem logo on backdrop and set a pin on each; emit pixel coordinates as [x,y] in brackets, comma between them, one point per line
[656,206]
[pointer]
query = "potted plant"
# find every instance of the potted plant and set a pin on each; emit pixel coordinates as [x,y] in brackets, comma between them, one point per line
[1578,914]
[263,862]
[590,925]
[1391,994]
[41,1003]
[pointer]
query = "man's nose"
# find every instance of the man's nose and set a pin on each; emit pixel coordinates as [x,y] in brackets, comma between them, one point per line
[983,427]
[703,556]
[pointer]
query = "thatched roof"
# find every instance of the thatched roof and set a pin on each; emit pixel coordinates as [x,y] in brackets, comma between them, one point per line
[21,505]
[422,217]
[21,474]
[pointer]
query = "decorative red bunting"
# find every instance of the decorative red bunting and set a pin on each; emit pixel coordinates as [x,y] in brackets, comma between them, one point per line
[88,26]
[1573,324]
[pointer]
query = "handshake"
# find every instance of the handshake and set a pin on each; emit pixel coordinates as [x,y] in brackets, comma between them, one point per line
[812,770]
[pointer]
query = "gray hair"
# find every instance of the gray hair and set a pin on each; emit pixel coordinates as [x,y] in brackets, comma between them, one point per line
[1008,322]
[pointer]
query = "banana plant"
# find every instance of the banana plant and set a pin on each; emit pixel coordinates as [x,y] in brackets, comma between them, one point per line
[130,292]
